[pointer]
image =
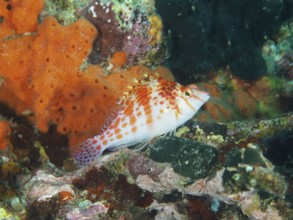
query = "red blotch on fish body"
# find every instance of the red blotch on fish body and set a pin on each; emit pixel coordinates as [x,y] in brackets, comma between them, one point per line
[149,120]
[132,120]
[117,131]
[116,123]
[119,136]
[129,109]
[134,129]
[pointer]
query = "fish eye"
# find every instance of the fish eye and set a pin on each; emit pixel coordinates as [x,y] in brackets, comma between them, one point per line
[187,93]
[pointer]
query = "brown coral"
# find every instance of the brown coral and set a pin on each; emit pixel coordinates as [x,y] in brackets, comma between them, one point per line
[44,80]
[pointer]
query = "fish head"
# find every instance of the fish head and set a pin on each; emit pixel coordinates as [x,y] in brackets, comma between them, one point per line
[190,99]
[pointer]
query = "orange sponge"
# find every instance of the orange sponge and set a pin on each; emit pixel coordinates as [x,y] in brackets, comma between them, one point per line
[19,16]
[46,80]
[119,59]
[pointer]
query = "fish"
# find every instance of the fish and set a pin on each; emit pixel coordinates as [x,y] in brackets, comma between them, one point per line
[152,107]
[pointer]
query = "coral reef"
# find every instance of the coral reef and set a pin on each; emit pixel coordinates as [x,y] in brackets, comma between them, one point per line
[63,10]
[45,193]
[49,86]
[51,95]
[166,211]
[129,184]
[52,87]
[92,211]
[130,26]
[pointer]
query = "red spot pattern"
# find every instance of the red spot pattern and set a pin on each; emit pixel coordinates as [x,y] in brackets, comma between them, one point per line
[139,97]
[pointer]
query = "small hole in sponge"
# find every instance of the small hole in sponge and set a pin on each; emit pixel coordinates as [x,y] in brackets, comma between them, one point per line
[9,7]
[64,129]
[72,95]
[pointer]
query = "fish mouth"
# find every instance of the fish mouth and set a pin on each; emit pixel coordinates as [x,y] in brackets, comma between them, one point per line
[200,94]
[204,96]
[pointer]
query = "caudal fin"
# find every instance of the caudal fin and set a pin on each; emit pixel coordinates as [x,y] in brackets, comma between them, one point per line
[88,151]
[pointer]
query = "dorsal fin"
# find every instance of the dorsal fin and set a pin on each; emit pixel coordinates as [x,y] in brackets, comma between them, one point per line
[129,95]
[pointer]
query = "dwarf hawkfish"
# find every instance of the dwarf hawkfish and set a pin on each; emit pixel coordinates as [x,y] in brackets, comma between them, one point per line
[151,108]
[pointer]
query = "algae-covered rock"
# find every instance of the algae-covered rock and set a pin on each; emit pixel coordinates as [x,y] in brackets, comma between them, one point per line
[189,158]
[4,214]
[247,168]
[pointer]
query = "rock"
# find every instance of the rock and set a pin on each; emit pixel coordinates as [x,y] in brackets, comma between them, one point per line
[188,158]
